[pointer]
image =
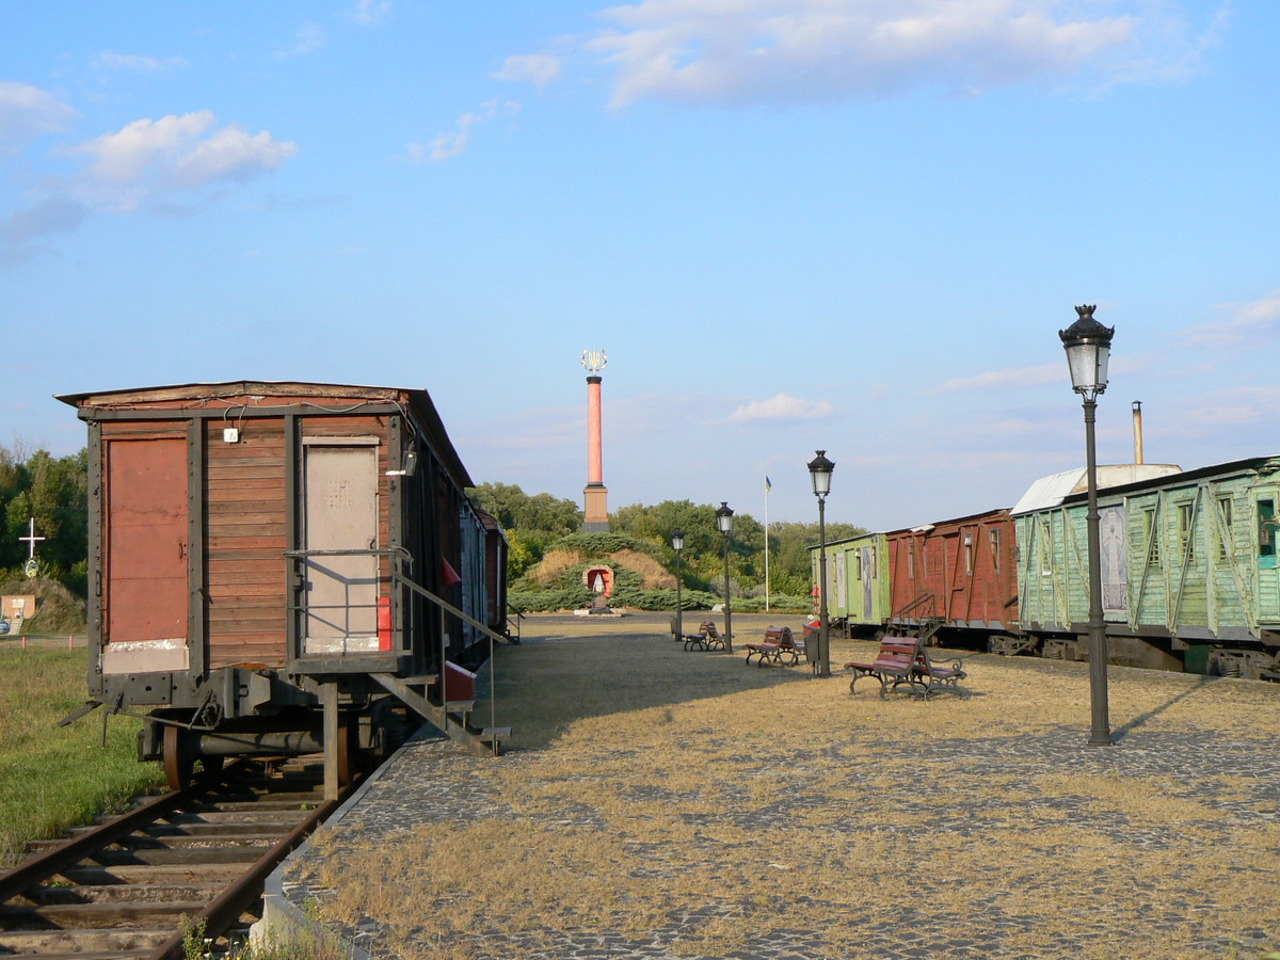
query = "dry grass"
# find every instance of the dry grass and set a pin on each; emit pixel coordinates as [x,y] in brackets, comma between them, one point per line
[648,779]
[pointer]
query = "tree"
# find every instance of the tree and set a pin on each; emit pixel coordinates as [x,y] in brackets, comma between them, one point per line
[54,492]
[531,523]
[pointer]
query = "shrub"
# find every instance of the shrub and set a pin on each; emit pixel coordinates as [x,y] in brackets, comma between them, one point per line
[529,601]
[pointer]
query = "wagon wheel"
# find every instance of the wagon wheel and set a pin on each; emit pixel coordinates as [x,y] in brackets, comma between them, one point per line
[178,761]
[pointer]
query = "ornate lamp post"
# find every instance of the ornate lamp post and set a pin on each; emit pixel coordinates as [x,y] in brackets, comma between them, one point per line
[677,544]
[820,472]
[1088,346]
[724,521]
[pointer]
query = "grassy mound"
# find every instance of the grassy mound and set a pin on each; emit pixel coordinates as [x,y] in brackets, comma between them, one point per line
[58,610]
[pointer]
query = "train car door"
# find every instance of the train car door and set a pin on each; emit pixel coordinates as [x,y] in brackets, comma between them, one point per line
[1113,560]
[145,555]
[1268,575]
[869,612]
[340,513]
[842,582]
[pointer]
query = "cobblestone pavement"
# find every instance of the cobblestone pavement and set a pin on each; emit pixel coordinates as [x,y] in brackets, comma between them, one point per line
[431,781]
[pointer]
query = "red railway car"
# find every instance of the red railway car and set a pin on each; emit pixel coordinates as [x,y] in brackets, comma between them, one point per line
[955,575]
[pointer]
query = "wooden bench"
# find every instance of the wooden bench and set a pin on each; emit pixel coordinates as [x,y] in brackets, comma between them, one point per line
[905,661]
[706,638]
[778,642]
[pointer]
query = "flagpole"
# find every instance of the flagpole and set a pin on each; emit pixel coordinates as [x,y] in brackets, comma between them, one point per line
[766,544]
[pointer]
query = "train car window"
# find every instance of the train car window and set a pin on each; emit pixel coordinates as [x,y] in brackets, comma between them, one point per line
[1266,528]
[911,559]
[1152,534]
[875,565]
[995,548]
[968,553]
[1224,528]
[857,565]
[1186,543]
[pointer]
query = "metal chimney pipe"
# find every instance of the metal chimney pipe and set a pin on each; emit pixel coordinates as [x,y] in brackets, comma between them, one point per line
[1137,431]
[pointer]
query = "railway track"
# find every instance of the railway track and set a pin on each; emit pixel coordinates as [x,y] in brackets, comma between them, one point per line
[197,856]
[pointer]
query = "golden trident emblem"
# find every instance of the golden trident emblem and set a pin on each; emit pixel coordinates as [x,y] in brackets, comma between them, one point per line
[594,360]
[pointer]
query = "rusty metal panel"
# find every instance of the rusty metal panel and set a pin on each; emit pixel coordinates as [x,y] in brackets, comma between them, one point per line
[146,546]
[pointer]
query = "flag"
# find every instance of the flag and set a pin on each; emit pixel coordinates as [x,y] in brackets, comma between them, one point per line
[450,575]
[767,485]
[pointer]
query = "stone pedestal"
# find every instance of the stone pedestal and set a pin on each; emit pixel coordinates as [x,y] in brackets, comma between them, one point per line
[595,508]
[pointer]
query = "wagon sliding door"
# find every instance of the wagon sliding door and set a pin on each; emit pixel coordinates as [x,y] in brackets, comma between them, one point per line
[340,513]
[145,557]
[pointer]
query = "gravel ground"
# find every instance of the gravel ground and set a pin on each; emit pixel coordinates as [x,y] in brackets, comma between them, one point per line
[974,828]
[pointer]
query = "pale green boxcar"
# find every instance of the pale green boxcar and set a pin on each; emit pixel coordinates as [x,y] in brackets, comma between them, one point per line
[1189,576]
[858,583]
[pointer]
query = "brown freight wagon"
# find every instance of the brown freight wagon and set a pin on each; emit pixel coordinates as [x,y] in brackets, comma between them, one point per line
[282,567]
[955,575]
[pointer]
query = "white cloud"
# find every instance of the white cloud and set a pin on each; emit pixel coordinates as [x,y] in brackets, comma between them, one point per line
[536,68]
[139,64]
[1258,320]
[748,51]
[308,39]
[27,111]
[370,13]
[1233,407]
[53,215]
[455,142]
[1016,377]
[175,154]
[783,407]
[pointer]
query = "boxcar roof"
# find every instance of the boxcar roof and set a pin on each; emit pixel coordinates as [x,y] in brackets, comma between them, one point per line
[1229,468]
[1051,491]
[419,404]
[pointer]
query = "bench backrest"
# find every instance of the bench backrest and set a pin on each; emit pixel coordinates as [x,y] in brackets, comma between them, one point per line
[898,654]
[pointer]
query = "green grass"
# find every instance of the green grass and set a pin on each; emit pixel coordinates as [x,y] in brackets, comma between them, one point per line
[55,777]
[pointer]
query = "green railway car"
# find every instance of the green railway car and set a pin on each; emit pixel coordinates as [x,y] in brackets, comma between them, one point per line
[858,583]
[1189,571]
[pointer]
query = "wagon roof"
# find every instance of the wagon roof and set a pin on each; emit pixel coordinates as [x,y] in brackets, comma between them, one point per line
[1052,491]
[1249,465]
[419,404]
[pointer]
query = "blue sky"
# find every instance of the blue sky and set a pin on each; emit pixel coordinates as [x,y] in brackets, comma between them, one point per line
[854,225]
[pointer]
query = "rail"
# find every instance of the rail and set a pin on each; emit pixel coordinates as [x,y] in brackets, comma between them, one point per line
[84,852]
[493,635]
[398,579]
[920,601]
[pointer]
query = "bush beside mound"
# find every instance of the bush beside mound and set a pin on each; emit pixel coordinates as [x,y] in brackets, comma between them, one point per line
[58,610]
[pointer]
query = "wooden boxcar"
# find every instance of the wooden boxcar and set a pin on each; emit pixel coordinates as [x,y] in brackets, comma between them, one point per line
[955,576]
[270,561]
[857,583]
[1188,567]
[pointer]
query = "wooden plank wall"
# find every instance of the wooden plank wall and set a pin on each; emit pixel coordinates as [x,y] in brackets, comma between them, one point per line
[246,537]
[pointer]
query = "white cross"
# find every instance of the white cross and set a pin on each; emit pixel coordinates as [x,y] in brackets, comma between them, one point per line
[31,539]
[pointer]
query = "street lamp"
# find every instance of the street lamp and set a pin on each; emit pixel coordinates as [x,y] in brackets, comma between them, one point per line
[677,544]
[724,521]
[820,472]
[1088,346]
